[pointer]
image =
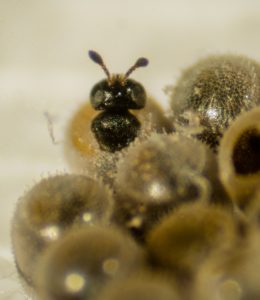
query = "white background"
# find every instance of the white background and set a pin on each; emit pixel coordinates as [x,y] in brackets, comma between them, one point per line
[44,67]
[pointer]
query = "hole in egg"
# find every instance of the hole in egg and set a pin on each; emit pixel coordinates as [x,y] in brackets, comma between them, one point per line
[246,154]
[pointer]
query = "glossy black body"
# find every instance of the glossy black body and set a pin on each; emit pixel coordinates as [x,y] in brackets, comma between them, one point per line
[115,128]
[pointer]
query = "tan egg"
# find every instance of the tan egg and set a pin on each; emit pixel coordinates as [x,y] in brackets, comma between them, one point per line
[213,282]
[239,157]
[252,210]
[140,287]
[245,267]
[190,236]
[234,277]
[157,175]
[83,261]
[49,209]
[216,89]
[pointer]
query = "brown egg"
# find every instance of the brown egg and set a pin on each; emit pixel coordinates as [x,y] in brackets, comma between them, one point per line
[158,174]
[49,209]
[216,89]
[235,276]
[80,264]
[190,236]
[140,287]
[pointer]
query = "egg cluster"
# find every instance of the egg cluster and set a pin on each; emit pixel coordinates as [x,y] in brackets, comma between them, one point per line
[169,211]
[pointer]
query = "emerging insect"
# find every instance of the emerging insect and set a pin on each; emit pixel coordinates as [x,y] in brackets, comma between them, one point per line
[116,127]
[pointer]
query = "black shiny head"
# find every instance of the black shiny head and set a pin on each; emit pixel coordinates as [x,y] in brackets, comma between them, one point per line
[117,92]
[118,95]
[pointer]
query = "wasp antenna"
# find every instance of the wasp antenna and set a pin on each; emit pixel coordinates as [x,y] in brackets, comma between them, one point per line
[141,62]
[98,60]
